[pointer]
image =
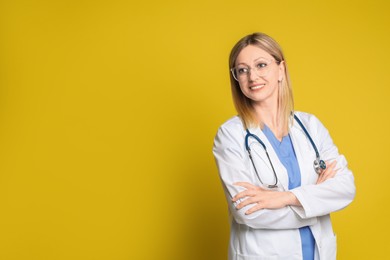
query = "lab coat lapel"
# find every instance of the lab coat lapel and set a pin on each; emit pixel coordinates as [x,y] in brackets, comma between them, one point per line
[304,153]
[281,172]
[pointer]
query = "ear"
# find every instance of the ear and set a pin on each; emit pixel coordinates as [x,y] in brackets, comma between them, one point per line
[282,70]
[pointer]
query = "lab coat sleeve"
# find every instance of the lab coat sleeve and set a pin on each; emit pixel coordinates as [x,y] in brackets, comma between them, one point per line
[233,166]
[334,194]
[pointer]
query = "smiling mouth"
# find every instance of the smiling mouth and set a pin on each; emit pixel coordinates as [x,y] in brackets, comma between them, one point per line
[256,87]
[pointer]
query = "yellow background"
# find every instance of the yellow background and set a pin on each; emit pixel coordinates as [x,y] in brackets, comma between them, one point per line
[108,111]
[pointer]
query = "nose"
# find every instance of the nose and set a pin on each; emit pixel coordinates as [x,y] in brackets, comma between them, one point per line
[253,75]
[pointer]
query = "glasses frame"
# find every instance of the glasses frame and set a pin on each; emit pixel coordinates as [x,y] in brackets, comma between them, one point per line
[255,69]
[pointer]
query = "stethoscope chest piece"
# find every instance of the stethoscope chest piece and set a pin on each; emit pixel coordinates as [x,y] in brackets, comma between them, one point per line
[319,165]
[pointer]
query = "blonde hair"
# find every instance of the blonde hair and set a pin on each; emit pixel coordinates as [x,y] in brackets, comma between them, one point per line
[243,104]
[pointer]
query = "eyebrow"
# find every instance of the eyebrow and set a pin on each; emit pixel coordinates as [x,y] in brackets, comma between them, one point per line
[259,58]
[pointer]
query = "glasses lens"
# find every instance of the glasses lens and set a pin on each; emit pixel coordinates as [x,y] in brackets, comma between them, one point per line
[261,68]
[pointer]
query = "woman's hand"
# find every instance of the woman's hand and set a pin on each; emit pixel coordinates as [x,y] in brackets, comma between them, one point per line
[270,199]
[263,199]
[328,173]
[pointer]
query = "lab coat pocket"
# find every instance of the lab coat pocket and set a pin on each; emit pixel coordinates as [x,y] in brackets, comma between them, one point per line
[328,248]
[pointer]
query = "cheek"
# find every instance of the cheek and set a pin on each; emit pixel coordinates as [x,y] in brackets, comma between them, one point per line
[274,77]
[245,90]
[243,87]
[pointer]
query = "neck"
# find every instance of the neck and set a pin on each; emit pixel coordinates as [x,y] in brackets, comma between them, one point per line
[268,114]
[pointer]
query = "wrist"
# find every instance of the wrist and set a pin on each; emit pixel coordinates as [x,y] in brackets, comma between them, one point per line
[291,199]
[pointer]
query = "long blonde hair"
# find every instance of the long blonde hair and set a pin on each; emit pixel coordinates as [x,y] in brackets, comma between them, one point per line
[243,104]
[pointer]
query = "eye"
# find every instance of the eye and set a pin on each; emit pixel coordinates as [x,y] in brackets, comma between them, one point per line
[242,71]
[261,65]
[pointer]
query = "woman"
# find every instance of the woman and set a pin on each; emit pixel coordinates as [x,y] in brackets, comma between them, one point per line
[279,201]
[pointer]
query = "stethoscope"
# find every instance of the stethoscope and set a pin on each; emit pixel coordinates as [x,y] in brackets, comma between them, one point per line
[319,165]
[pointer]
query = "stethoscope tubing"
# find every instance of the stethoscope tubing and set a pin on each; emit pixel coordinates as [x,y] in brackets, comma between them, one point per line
[308,136]
[319,165]
[249,134]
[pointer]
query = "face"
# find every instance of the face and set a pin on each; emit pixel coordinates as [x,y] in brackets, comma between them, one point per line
[258,74]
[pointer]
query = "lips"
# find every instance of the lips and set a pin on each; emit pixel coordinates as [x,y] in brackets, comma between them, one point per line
[257,86]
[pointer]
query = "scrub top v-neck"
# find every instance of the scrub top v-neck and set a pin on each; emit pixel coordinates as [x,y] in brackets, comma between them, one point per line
[286,154]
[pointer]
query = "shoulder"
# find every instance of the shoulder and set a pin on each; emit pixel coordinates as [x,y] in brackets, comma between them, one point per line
[232,124]
[309,120]
[316,129]
[231,130]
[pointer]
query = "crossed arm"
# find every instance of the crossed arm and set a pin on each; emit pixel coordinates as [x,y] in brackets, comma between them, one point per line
[270,199]
[277,209]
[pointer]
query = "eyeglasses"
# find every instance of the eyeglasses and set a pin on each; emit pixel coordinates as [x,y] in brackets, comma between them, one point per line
[242,72]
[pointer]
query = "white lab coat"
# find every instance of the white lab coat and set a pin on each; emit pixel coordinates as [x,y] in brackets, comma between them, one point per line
[273,234]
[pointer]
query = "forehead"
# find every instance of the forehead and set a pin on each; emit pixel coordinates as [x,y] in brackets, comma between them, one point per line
[251,53]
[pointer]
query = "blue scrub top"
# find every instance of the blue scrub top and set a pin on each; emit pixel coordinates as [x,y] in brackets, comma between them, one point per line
[286,154]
